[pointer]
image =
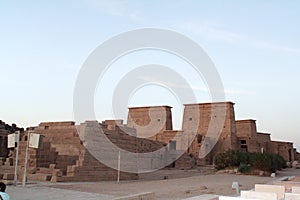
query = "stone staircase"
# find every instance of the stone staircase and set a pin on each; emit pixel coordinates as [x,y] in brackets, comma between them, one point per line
[64,156]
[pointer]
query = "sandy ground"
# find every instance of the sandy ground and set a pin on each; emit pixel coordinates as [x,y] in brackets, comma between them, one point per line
[179,185]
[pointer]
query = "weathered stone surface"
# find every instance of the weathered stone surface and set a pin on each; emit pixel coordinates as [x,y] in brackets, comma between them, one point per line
[63,157]
[291,196]
[278,189]
[258,195]
[209,140]
[234,198]
[296,190]
[247,135]
[207,130]
[204,197]
[200,137]
[150,120]
[7,176]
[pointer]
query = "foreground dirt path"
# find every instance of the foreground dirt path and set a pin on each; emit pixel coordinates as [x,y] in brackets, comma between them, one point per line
[183,184]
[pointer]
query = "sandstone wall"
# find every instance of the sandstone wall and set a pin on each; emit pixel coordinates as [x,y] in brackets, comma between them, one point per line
[285,149]
[247,135]
[150,120]
[263,140]
[200,117]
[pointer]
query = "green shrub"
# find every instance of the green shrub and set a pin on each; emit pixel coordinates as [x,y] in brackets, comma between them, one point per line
[244,157]
[227,159]
[244,168]
[278,163]
[246,161]
[262,162]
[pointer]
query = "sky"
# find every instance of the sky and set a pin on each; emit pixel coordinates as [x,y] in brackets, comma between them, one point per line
[255,46]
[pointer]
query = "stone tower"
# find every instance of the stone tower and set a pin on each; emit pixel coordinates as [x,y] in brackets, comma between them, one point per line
[247,135]
[213,127]
[150,120]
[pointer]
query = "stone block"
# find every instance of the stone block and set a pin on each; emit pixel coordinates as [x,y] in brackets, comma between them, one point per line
[7,176]
[39,177]
[204,197]
[259,195]
[54,179]
[279,189]
[292,196]
[57,172]
[234,198]
[296,190]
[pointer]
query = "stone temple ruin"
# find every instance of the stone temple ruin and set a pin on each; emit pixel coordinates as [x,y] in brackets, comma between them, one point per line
[234,134]
[63,155]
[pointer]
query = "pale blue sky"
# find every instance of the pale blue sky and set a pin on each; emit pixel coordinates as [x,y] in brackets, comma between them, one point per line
[255,46]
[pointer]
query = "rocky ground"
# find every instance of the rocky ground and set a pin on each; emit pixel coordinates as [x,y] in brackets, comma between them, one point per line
[167,184]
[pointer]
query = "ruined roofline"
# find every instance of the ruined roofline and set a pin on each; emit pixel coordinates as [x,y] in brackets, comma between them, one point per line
[147,107]
[113,120]
[31,128]
[282,142]
[210,103]
[90,121]
[117,122]
[245,120]
[58,123]
[263,133]
[171,131]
